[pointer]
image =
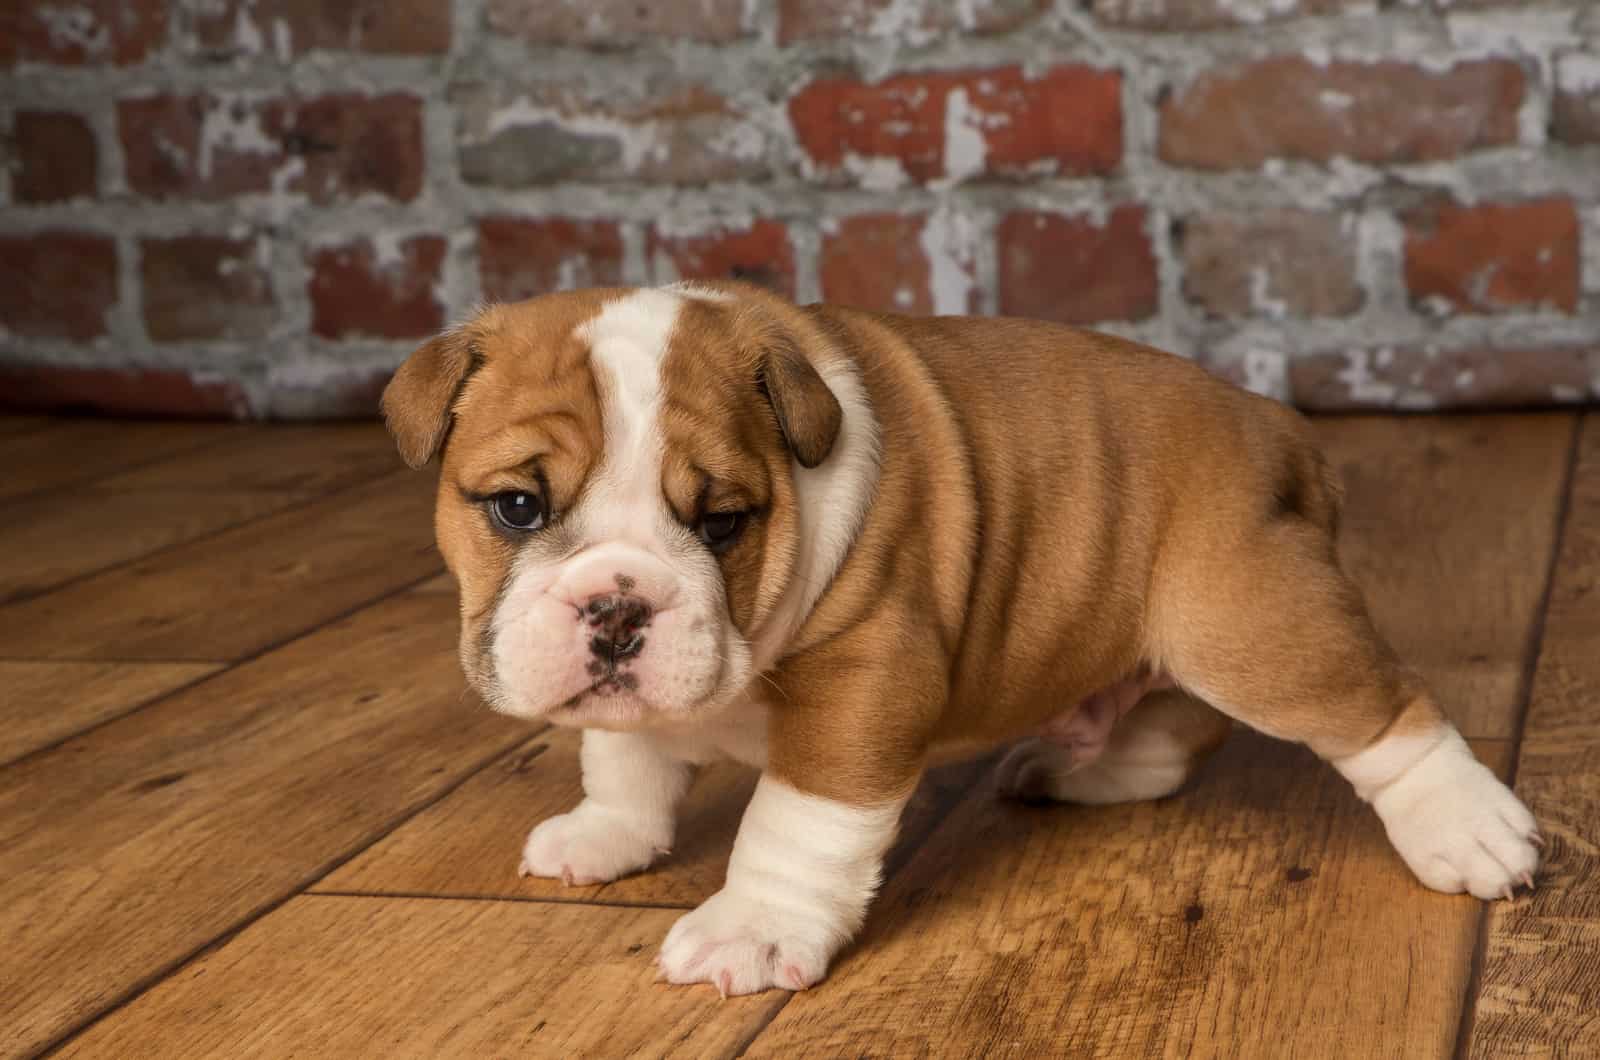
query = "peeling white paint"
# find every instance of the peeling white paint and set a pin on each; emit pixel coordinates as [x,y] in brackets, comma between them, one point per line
[636,140]
[246,34]
[1363,386]
[965,150]
[282,40]
[1261,299]
[1566,393]
[1578,74]
[1266,372]
[75,27]
[1465,378]
[949,243]
[387,252]
[232,124]
[876,173]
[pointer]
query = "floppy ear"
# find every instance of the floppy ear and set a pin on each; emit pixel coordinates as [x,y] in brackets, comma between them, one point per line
[808,413]
[416,403]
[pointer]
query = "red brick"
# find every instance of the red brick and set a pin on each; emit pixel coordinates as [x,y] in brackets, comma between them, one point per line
[616,23]
[671,133]
[880,262]
[206,287]
[1290,107]
[57,285]
[1068,121]
[355,292]
[1178,15]
[1071,270]
[56,157]
[327,148]
[116,32]
[120,391]
[1409,378]
[1274,263]
[1495,257]
[1575,109]
[759,253]
[812,19]
[519,258]
[291,28]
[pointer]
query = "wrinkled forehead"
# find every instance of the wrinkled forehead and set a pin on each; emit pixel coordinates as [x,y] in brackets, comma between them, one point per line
[611,369]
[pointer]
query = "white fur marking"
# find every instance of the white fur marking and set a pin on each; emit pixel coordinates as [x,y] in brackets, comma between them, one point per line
[803,871]
[1450,818]
[631,792]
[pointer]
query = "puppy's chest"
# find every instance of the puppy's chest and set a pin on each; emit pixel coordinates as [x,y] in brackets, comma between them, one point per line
[739,733]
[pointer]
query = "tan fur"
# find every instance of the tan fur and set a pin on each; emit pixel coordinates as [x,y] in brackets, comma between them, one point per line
[1056,509]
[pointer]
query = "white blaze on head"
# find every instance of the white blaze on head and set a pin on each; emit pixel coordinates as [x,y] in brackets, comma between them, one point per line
[629,542]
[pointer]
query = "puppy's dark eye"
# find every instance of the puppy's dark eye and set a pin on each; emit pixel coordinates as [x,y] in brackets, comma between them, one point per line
[518,511]
[719,530]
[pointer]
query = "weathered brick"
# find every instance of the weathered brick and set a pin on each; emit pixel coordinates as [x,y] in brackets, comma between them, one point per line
[116,32]
[953,125]
[380,288]
[56,157]
[514,137]
[57,285]
[1273,263]
[287,29]
[326,147]
[1072,270]
[1494,257]
[206,287]
[1410,378]
[758,253]
[616,23]
[1178,15]
[882,262]
[119,390]
[520,257]
[1575,109]
[812,19]
[316,390]
[1291,107]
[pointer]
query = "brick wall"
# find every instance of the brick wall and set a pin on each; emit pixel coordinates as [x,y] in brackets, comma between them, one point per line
[257,207]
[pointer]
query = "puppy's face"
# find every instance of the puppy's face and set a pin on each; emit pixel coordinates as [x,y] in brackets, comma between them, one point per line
[616,496]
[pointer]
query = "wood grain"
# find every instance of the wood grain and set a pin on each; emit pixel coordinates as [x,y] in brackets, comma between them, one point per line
[53,537]
[10,425]
[1260,913]
[125,849]
[296,459]
[1540,993]
[468,844]
[444,583]
[1449,526]
[46,701]
[243,589]
[330,976]
[71,452]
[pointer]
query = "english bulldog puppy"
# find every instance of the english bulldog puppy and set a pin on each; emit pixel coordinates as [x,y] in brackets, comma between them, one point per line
[700,521]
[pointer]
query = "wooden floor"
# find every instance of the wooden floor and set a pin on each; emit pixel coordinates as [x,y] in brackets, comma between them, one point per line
[248,809]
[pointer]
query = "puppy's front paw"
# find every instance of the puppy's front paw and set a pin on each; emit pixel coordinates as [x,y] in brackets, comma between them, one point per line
[742,946]
[1458,827]
[589,845]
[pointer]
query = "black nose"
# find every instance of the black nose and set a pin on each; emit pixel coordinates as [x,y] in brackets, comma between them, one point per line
[617,621]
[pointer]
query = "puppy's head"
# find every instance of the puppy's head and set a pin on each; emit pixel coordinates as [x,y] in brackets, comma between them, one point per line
[617,493]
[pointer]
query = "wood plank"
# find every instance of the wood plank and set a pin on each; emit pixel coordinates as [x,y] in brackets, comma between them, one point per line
[77,451]
[328,976]
[444,583]
[10,425]
[125,849]
[468,844]
[1449,527]
[293,458]
[1540,991]
[238,591]
[1260,913]
[48,701]
[51,538]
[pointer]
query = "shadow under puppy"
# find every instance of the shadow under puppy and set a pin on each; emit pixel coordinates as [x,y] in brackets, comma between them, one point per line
[700,521]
